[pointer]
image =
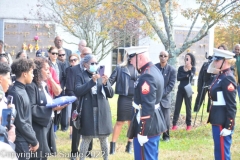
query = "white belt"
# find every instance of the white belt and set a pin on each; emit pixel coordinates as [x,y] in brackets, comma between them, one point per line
[137,106]
[216,103]
[220,99]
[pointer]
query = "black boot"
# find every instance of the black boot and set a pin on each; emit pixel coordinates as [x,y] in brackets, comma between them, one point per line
[112,147]
[129,147]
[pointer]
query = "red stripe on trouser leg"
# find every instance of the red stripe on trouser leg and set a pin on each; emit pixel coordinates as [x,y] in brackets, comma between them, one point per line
[222,145]
[141,150]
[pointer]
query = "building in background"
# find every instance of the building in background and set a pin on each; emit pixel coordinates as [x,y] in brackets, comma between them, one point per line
[21,30]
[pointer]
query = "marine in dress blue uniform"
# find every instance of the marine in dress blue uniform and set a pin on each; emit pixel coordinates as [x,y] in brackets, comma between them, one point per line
[148,122]
[223,109]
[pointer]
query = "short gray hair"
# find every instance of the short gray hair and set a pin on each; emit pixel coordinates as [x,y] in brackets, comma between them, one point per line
[86,59]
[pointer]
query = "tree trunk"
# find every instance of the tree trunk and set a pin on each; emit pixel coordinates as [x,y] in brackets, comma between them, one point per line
[173,62]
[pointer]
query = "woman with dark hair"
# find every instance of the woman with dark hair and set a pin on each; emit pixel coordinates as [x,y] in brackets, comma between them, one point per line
[21,54]
[185,75]
[96,119]
[124,75]
[42,117]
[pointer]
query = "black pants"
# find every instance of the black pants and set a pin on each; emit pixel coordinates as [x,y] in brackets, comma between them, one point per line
[75,140]
[22,149]
[181,94]
[64,119]
[166,113]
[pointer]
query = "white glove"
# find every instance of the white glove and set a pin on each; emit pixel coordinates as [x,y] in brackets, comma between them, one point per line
[138,117]
[142,139]
[225,132]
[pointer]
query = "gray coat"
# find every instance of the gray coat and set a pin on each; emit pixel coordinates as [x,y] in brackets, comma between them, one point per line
[169,75]
[82,90]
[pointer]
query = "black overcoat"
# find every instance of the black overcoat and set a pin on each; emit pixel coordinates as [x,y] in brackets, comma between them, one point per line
[83,85]
[41,120]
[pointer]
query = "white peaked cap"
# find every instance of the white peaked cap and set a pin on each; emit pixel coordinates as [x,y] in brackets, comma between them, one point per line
[219,53]
[136,49]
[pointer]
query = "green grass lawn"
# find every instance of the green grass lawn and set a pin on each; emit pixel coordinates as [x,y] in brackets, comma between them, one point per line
[196,144]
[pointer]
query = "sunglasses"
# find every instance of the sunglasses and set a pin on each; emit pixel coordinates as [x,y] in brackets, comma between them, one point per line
[3,55]
[163,56]
[61,55]
[96,63]
[54,53]
[73,60]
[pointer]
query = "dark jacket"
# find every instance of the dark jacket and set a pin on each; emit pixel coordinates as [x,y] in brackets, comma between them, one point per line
[185,76]
[169,76]
[23,120]
[148,93]
[41,120]
[68,53]
[83,91]
[71,74]
[122,77]
[223,97]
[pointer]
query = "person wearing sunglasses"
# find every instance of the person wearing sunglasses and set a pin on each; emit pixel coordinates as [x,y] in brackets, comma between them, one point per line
[185,75]
[169,75]
[223,110]
[124,75]
[96,119]
[70,86]
[64,113]
[73,60]
[148,121]
[61,55]
[58,66]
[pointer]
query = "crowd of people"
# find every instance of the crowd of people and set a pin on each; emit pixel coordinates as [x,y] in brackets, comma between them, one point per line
[144,100]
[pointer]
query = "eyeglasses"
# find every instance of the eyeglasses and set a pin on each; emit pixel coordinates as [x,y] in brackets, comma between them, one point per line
[53,53]
[61,55]
[73,60]
[163,56]
[96,63]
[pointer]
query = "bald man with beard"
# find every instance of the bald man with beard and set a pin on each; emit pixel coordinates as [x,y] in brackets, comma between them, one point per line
[70,84]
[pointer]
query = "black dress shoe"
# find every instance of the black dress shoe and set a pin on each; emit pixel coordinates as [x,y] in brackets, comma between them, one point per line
[166,139]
